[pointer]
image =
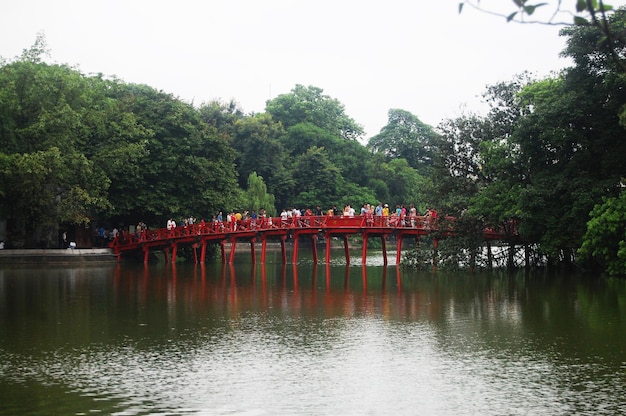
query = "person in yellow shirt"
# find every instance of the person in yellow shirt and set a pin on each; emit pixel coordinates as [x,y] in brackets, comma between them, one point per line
[386,214]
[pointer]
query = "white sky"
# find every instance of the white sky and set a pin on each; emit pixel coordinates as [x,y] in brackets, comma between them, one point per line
[419,56]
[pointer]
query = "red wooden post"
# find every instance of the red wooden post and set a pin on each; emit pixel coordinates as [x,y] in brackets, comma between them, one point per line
[346,249]
[263,248]
[174,250]
[233,246]
[399,249]
[384,246]
[223,249]
[314,246]
[364,250]
[294,259]
[253,252]
[283,252]
[202,252]
[327,236]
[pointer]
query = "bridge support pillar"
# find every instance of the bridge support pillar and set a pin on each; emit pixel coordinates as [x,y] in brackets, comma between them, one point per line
[346,249]
[327,236]
[263,248]
[174,250]
[383,243]
[364,250]
[314,246]
[195,252]
[294,258]
[223,249]
[399,249]
[283,252]
[166,254]
[252,250]
[202,252]
[146,255]
[233,246]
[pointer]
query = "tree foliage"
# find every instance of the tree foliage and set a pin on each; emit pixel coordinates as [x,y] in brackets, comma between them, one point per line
[605,238]
[77,148]
[311,105]
[257,198]
[406,136]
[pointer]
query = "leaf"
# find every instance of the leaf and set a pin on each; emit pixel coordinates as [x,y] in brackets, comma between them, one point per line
[511,16]
[580,21]
[531,9]
[581,5]
[461,7]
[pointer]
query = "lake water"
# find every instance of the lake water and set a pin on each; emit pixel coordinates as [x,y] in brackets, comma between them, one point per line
[332,339]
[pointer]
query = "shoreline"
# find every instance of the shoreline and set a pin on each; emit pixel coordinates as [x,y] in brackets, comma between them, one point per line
[59,256]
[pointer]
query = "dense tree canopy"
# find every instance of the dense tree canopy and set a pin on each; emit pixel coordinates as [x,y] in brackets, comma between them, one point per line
[310,104]
[406,137]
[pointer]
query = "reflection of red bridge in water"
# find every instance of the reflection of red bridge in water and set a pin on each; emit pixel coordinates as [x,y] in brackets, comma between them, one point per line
[199,235]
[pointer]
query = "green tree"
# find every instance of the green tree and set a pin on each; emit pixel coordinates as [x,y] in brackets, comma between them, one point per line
[257,197]
[45,122]
[75,148]
[309,104]
[190,169]
[405,185]
[485,174]
[350,157]
[572,149]
[406,136]
[259,150]
[605,238]
[317,179]
[45,188]
[221,115]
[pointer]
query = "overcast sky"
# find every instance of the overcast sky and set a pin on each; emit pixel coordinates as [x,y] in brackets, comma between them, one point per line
[420,56]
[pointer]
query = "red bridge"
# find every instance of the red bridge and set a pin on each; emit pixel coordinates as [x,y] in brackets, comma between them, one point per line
[251,230]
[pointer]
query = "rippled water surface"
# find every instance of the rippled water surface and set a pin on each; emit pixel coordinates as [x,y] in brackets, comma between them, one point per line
[308,340]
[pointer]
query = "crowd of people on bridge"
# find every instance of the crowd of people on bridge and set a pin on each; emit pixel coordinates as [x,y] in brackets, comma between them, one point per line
[380,215]
[374,215]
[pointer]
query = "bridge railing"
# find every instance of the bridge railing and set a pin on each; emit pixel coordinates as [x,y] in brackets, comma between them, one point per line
[268,223]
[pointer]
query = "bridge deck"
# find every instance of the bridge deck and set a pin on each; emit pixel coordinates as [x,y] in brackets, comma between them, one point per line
[252,230]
